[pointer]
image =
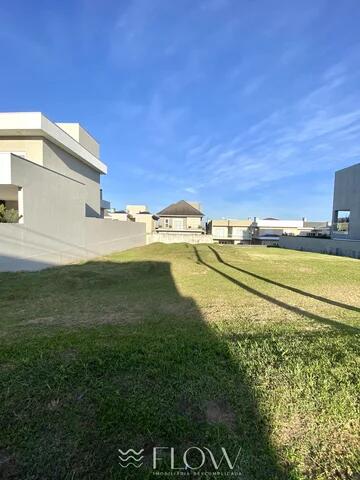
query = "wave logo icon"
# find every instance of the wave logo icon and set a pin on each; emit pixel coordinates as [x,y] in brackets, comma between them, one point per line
[131,457]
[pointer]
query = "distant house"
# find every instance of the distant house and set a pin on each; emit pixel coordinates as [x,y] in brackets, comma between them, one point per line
[267,231]
[181,218]
[315,229]
[140,213]
[135,213]
[121,215]
[133,209]
[230,231]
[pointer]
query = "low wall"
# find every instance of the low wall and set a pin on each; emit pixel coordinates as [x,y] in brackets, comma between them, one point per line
[105,236]
[344,248]
[165,237]
[22,248]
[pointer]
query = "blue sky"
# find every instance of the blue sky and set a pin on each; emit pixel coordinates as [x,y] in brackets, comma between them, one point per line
[248,106]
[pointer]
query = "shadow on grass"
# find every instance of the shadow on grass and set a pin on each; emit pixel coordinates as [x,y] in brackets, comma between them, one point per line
[154,375]
[299,311]
[287,287]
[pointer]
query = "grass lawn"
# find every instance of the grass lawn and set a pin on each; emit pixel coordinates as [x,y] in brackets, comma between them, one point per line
[179,346]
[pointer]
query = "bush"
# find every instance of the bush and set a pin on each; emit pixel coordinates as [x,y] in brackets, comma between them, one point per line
[8,215]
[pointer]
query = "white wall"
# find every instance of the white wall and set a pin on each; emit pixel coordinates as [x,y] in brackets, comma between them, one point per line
[345,248]
[173,237]
[55,230]
[59,160]
[76,131]
[347,197]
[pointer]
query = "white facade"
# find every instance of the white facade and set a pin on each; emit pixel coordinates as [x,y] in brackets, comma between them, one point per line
[55,186]
[347,204]
[230,231]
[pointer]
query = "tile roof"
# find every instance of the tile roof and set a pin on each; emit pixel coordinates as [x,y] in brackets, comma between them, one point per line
[180,208]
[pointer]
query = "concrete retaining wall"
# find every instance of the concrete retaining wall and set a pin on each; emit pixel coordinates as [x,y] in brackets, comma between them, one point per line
[54,229]
[165,237]
[344,248]
[22,248]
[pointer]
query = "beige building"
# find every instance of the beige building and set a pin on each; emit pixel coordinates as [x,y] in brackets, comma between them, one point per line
[268,231]
[50,173]
[135,213]
[135,209]
[121,215]
[230,231]
[140,213]
[181,218]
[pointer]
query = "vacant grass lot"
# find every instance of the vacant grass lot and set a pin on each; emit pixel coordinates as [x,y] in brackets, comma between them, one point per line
[180,345]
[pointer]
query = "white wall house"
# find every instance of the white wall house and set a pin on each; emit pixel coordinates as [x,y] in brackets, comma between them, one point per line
[135,213]
[50,172]
[230,231]
[267,231]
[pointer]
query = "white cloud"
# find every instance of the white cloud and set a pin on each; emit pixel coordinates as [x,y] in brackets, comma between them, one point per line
[315,133]
[253,85]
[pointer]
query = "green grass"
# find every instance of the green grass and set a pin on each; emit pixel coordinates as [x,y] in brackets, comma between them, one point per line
[177,345]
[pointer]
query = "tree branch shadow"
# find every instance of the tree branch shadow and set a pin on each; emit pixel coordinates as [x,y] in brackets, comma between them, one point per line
[288,287]
[279,303]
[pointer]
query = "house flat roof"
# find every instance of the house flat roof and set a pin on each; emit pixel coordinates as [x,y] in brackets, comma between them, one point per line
[231,222]
[278,223]
[24,124]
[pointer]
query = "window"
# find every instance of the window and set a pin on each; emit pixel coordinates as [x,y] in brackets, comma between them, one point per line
[220,232]
[178,223]
[341,221]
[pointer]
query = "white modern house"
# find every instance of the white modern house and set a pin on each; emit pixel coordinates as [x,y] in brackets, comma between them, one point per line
[267,231]
[50,173]
[230,231]
[135,213]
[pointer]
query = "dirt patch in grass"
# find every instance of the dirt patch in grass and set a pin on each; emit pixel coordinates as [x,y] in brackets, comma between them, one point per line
[68,355]
[295,427]
[219,411]
[191,410]
[7,367]
[8,468]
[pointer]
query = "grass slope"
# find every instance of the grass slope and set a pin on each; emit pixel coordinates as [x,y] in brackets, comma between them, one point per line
[180,345]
